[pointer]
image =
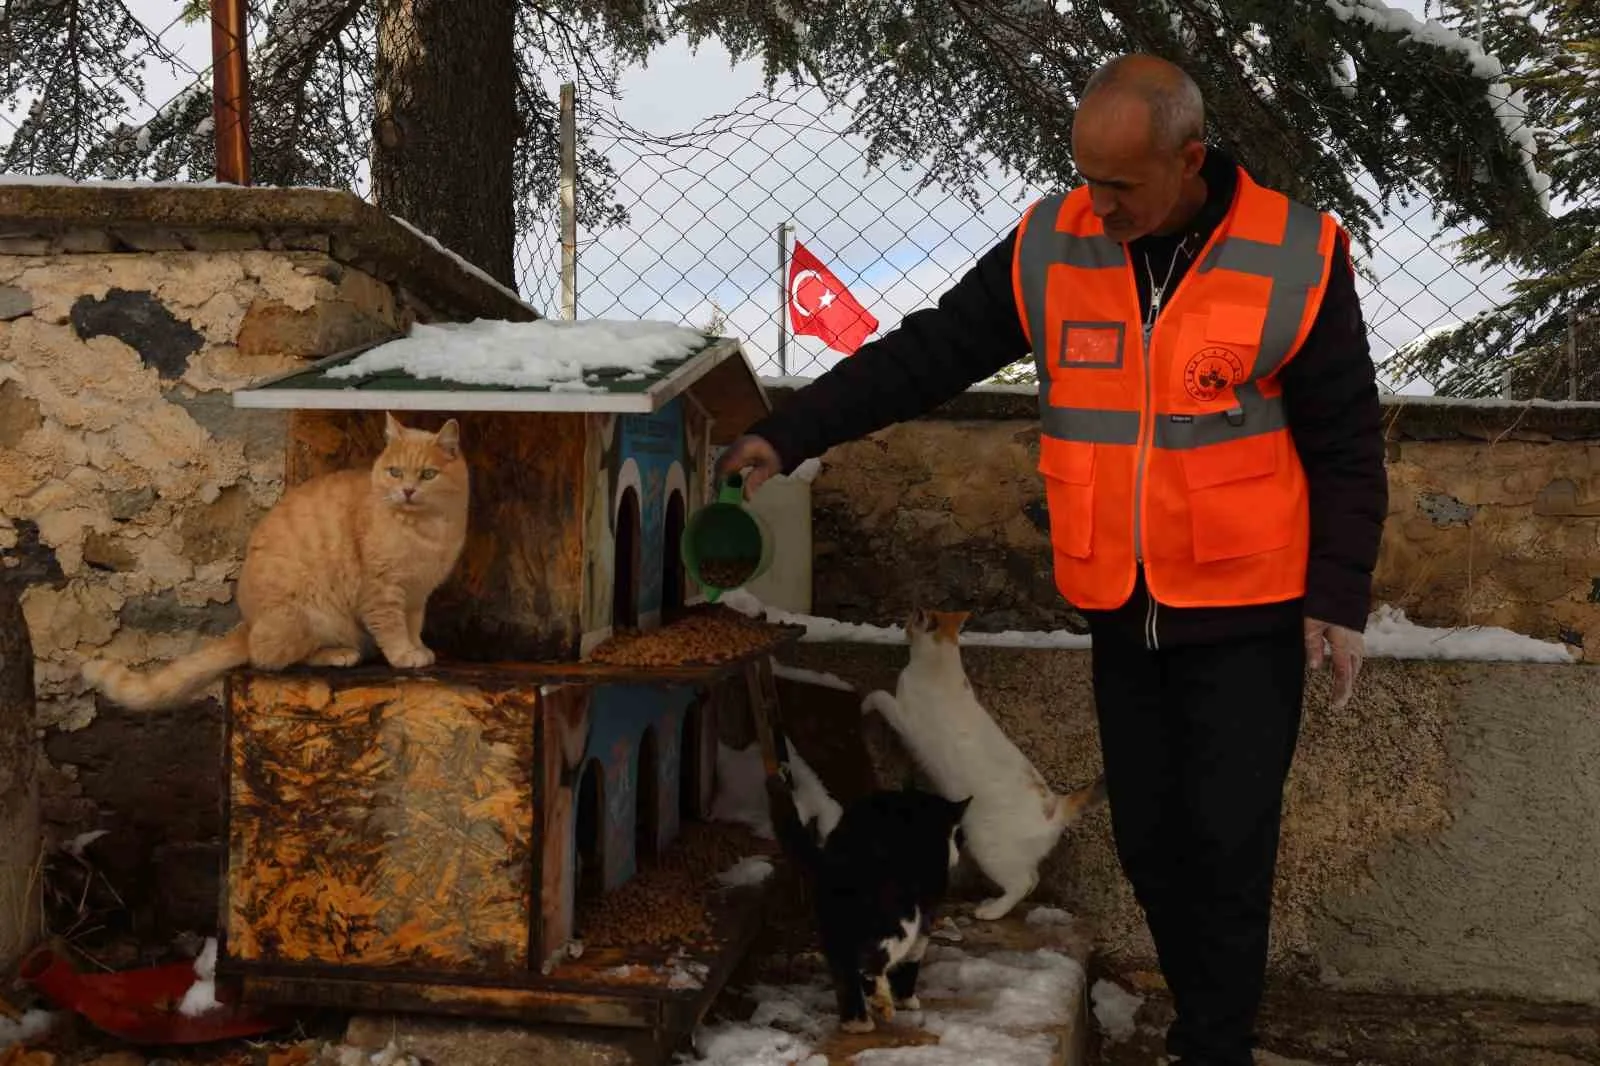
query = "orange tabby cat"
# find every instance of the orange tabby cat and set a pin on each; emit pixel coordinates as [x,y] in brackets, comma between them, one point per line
[344,553]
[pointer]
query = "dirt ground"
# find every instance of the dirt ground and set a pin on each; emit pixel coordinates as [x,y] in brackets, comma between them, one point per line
[1315,1027]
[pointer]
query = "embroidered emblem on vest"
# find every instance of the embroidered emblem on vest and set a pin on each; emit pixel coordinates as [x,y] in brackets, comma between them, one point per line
[1210,371]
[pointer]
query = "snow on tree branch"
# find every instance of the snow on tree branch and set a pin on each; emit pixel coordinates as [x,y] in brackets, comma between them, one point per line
[1509,105]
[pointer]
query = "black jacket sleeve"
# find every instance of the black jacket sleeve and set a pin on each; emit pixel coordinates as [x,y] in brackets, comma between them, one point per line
[931,357]
[1330,397]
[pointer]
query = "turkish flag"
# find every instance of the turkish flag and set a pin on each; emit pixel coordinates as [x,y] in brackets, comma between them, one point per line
[820,306]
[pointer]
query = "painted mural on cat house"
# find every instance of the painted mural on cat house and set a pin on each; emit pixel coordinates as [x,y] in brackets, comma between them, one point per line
[453,838]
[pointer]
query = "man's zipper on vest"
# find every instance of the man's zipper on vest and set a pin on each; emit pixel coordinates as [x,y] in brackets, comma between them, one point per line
[1151,608]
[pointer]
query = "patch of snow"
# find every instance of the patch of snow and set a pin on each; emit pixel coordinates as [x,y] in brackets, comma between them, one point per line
[811,798]
[1114,1010]
[684,974]
[31,1026]
[740,1044]
[750,870]
[1048,916]
[833,631]
[812,677]
[560,355]
[75,846]
[1509,105]
[391,1055]
[202,995]
[742,790]
[1008,1002]
[1390,635]
[471,268]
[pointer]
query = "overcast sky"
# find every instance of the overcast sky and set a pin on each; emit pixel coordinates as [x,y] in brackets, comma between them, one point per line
[704,215]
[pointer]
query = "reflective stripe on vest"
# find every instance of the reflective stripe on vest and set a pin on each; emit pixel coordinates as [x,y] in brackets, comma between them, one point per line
[1168,447]
[1295,268]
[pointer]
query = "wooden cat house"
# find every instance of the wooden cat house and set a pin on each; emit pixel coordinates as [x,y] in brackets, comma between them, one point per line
[464,838]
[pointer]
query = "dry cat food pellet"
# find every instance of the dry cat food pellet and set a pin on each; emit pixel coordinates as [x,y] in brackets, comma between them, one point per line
[713,635]
[727,573]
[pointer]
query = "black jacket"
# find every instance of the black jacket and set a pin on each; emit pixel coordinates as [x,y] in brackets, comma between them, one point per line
[1329,390]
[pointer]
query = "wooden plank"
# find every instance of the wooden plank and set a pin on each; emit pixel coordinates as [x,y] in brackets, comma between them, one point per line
[764,711]
[383,824]
[527,1005]
[733,396]
[517,592]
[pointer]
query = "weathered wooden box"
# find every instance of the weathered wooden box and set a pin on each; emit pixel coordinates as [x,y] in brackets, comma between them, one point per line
[457,839]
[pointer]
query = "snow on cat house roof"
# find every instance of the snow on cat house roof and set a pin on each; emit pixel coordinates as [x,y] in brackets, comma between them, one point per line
[544,366]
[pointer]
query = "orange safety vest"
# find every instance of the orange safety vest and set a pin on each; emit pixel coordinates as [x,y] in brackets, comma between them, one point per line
[1172,449]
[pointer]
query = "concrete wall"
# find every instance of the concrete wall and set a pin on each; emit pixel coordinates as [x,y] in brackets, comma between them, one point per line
[1442,834]
[1494,518]
[126,318]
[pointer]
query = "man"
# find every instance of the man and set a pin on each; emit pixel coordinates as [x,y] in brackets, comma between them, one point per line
[1212,452]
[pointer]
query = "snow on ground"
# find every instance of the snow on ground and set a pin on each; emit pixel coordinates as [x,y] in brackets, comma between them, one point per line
[996,1010]
[750,870]
[539,354]
[1114,1010]
[1390,635]
[202,995]
[1048,916]
[831,630]
[31,1026]
[812,677]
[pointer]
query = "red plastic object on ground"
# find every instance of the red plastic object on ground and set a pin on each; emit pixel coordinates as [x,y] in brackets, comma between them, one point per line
[141,1006]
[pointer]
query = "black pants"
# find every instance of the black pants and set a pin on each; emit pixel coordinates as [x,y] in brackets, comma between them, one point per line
[1197,743]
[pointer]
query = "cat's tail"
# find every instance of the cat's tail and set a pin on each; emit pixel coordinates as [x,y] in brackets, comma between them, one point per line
[1078,802]
[175,684]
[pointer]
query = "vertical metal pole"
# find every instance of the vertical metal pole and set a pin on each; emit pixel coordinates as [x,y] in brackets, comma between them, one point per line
[1572,353]
[784,229]
[230,91]
[569,203]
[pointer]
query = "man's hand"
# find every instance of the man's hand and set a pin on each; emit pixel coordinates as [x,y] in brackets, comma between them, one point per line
[758,460]
[1345,648]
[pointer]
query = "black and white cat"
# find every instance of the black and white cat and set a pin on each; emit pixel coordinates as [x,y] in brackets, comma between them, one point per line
[879,879]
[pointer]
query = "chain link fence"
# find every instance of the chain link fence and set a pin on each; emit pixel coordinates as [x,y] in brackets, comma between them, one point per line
[699,241]
[696,237]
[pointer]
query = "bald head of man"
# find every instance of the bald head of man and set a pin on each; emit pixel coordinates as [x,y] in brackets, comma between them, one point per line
[1138,141]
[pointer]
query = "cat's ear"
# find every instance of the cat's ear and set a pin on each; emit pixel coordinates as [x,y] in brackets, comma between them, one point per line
[391,428]
[449,439]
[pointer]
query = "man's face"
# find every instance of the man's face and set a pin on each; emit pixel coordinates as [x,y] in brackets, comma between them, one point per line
[1136,186]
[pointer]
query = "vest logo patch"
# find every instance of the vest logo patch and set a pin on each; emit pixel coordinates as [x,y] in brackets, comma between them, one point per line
[1210,372]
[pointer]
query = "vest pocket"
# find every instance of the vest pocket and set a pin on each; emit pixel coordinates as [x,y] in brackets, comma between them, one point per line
[1068,469]
[1238,505]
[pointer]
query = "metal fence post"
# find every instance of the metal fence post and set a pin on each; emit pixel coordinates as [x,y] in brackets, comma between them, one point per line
[230,91]
[569,202]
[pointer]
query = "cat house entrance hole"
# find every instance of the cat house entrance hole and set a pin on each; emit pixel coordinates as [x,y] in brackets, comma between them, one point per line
[589,829]
[647,805]
[626,565]
[689,766]
[672,568]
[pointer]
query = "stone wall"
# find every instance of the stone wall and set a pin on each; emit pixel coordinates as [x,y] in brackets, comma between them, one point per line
[127,316]
[1494,518]
[1441,834]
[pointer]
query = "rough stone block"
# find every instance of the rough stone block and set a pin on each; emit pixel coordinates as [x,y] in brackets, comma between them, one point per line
[14,302]
[143,323]
[219,240]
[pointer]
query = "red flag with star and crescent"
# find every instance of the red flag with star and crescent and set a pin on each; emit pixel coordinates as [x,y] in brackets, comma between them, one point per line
[820,306]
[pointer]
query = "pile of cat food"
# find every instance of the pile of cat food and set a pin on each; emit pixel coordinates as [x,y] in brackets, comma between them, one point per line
[727,573]
[704,637]
[664,905]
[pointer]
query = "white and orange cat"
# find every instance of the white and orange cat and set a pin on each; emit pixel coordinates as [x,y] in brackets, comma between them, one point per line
[1014,819]
[341,562]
